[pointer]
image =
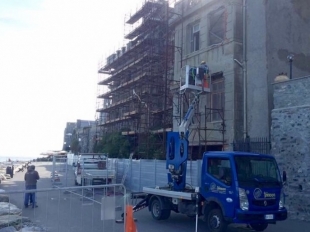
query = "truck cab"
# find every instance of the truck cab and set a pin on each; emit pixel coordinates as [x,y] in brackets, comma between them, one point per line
[241,187]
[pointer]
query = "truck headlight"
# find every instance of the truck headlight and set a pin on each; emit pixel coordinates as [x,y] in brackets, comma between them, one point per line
[282,199]
[243,199]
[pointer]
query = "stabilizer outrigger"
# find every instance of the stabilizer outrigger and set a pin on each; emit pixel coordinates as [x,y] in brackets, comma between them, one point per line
[139,206]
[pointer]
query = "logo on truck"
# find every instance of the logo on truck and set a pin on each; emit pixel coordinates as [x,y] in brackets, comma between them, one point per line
[212,187]
[269,195]
[257,193]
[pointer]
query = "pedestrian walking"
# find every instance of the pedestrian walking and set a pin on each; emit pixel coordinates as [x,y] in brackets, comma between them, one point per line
[30,195]
[31,178]
[8,170]
[12,171]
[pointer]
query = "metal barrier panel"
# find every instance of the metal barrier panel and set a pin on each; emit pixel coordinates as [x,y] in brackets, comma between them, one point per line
[140,173]
[63,209]
[63,172]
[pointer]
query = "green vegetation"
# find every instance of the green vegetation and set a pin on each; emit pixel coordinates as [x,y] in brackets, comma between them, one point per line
[75,146]
[147,146]
[115,144]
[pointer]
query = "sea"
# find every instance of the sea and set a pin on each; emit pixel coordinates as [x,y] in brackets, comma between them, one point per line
[20,158]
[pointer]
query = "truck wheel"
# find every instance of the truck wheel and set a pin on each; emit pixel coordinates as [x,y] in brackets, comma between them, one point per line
[157,212]
[215,221]
[259,227]
[165,214]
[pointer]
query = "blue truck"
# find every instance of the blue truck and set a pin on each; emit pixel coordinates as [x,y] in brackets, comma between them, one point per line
[234,187]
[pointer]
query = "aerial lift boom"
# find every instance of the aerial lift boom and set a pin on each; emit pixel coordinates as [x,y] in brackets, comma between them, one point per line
[177,149]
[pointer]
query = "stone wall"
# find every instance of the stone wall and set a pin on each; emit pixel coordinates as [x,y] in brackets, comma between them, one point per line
[290,137]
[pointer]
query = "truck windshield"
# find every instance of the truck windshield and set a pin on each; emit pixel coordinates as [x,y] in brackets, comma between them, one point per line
[257,171]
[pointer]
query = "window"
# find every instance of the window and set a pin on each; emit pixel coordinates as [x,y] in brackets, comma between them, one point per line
[220,169]
[252,169]
[217,98]
[217,26]
[194,37]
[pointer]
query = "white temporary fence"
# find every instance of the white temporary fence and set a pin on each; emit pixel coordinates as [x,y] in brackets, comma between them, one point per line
[135,173]
[65,209]
[150,173]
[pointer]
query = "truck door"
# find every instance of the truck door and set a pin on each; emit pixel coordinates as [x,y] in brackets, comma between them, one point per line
[217,183]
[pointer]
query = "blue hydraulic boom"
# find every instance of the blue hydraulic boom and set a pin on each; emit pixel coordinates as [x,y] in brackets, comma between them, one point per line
[177,150]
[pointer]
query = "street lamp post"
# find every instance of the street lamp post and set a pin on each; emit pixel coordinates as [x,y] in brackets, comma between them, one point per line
[290,59]
[81,147]
[147,118]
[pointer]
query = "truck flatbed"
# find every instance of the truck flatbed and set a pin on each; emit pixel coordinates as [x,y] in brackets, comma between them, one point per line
[88,176]
[165,192]
[99,173]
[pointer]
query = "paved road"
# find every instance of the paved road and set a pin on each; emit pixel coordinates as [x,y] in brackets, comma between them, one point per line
[182,223]
[62,212]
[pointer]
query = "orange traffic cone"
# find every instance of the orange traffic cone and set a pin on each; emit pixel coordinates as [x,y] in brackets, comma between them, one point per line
[130,222]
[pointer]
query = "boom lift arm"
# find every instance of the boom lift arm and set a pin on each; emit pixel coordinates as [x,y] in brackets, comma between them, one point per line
[183,127]
[177,149]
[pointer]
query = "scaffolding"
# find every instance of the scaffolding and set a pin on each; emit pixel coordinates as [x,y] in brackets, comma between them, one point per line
[138,102]
[144,99]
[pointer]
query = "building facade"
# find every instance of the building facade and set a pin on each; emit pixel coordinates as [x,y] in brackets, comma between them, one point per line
[246,44]
[275,30]
[138,76]
[68,132]
[211,31]
[81,135]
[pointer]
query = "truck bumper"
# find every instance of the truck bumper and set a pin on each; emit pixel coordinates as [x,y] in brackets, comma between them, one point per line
[260,217]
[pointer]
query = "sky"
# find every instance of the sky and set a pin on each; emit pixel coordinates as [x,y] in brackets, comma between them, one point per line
[49,55]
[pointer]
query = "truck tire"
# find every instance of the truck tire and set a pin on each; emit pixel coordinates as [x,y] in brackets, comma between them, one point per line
[215,221]
[259,227]
[157,212]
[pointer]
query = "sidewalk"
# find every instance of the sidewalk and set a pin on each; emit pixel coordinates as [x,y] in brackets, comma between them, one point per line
[58,210]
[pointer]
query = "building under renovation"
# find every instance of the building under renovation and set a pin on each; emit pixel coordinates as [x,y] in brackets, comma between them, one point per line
[138,102]
[149,82]
[149,79]
[147,93]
